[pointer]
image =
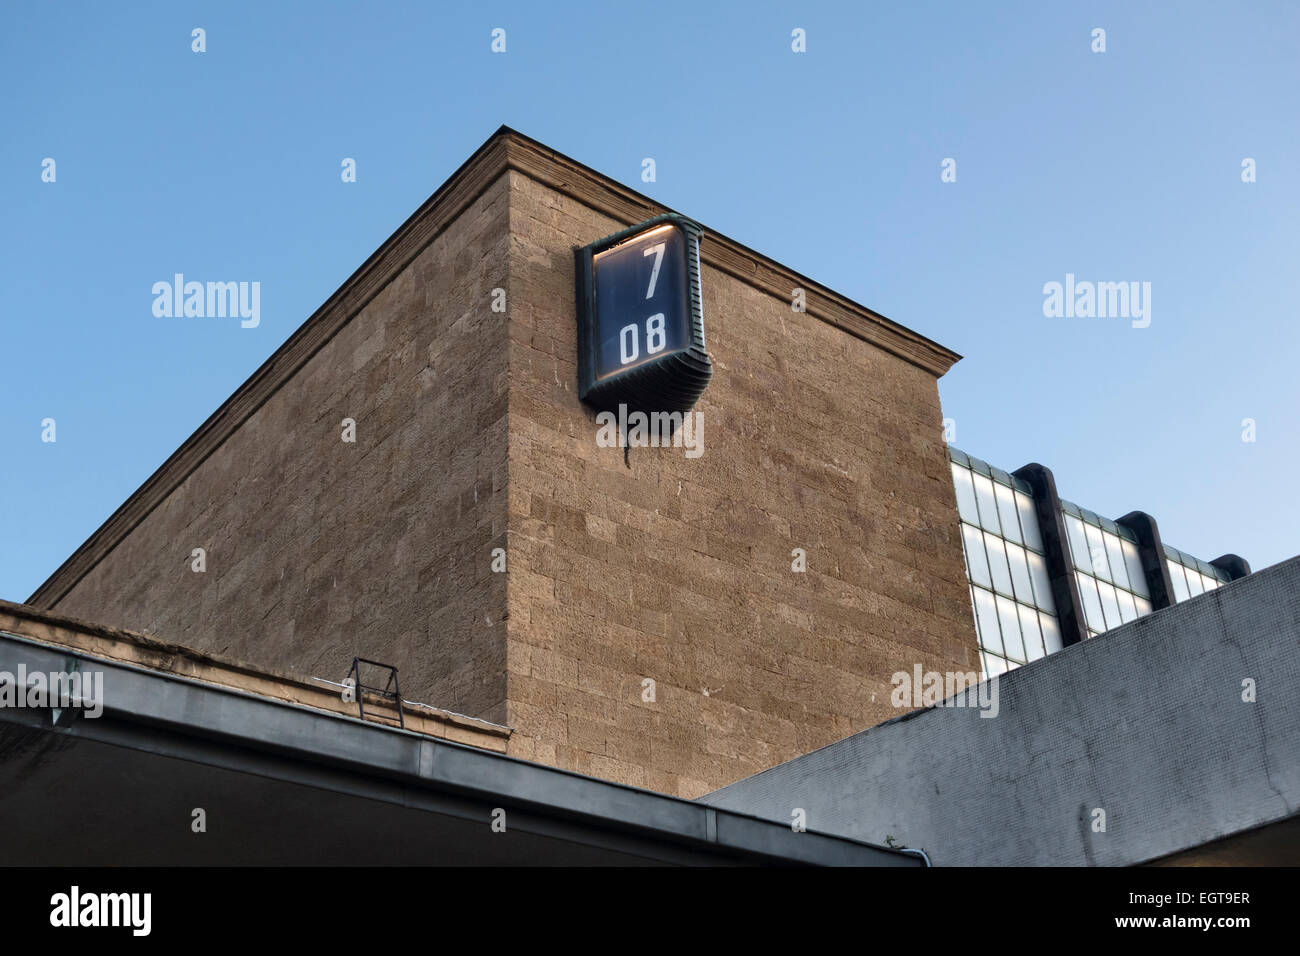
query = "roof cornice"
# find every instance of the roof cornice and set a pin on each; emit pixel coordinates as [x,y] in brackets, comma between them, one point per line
[464,186]
[573,179]
[505,150]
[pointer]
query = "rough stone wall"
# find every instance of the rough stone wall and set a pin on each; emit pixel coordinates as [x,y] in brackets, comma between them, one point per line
[680,570]
[674,570]
[319,550]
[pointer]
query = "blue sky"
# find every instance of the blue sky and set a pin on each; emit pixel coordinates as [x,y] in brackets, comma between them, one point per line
[1115,166]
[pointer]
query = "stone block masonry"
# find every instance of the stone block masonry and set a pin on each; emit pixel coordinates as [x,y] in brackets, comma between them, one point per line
[821,432]
[679,571]
[318,549]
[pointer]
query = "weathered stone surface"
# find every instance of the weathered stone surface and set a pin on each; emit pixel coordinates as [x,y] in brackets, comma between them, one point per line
[470,438]
[319,550]
[679,570]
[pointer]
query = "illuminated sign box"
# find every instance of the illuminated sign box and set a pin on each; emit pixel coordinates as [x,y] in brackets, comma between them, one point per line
[640,318]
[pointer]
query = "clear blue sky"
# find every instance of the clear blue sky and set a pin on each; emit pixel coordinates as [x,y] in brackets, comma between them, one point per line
[1121,166]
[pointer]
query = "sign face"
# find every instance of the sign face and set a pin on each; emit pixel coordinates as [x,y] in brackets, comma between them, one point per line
[642,281]
[640,327]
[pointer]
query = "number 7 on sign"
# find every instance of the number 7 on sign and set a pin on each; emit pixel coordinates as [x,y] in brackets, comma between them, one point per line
[657,250]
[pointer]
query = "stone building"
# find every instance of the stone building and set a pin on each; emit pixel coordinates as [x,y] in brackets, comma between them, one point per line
[822,432]
[638,654]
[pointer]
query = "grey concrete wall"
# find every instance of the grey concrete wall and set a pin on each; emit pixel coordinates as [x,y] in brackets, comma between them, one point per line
[1146,722]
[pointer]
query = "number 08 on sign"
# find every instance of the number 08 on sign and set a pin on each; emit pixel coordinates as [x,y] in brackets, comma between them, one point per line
[640,318]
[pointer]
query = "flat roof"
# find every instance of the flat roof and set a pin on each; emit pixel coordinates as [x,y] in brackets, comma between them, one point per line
[287,783]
